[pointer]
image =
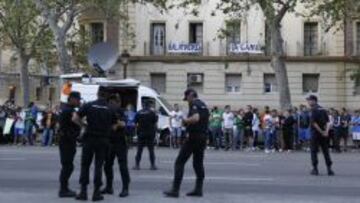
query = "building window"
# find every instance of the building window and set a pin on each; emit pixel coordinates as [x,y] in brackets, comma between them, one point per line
[196,81]
[38,93]
[157,39]
[158,82]
[310,39]
[232,32]
[358,38]
[97,32]
[311,83]
[270,83]
[196,33]
[233,83]
[356,89]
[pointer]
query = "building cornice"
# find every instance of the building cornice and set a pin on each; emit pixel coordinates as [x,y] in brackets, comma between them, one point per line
[31,75]
[188,58]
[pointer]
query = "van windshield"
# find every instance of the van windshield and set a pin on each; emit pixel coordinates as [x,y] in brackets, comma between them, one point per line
[166,103]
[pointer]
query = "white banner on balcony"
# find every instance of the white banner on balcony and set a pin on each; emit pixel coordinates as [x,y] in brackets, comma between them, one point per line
[239,48]
[179,47]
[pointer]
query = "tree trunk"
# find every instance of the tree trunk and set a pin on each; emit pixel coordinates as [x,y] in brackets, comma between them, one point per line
[24,78]
[279,66]
[64,57]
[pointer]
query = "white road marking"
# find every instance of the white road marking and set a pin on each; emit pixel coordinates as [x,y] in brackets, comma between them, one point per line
[12,159]
[209,178]
[221,163]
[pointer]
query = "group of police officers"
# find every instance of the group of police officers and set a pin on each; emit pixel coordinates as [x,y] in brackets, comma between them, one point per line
[104,138]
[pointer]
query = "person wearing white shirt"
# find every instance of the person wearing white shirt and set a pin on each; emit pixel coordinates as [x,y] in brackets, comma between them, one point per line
[176,119]
[19,126]
[255,128]
[228,127]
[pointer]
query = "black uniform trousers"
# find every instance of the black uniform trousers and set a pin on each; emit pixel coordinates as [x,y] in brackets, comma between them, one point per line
[93,147]
[67,154]
[119,151]
[322,142]
[195,146]
[145,141]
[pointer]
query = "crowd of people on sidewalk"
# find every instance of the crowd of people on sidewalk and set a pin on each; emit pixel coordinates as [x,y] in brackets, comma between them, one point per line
[34,125]
[245,129]
[270,129]
[27,126]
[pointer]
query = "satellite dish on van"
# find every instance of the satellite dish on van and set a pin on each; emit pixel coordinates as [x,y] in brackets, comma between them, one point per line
[102,57]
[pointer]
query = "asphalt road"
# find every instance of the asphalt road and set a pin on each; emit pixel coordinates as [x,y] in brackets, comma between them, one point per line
[30,175]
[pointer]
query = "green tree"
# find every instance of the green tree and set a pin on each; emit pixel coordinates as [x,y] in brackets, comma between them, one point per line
[340,14]
[61,15]
[24,30]
[274,12]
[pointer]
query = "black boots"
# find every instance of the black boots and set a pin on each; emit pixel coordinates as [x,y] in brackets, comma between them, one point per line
[174,191]
[153,167]
[65,192]
[125,191]
[330,171]
[97,195]
[314,172]
[197,192]
[108,190]
[82,196]
[136,167]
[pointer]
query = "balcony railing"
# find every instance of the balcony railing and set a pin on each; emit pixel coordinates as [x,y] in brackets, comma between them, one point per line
[225,50]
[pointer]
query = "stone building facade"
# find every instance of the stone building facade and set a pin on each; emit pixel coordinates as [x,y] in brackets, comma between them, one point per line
[175,50]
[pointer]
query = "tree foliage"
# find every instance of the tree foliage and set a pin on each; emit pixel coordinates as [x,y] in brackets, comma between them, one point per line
[61,15]
[334,12]
[24,30]
[339,14]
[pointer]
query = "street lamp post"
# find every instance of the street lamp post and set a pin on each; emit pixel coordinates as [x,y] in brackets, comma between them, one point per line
[125,61]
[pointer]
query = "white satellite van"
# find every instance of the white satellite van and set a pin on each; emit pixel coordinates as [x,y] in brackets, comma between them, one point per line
[130,91]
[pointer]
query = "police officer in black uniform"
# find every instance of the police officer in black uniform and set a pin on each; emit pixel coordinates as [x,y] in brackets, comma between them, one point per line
[69,131]
[196,125]
[146,121]
[117,149]
[319,135]
[100,120]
